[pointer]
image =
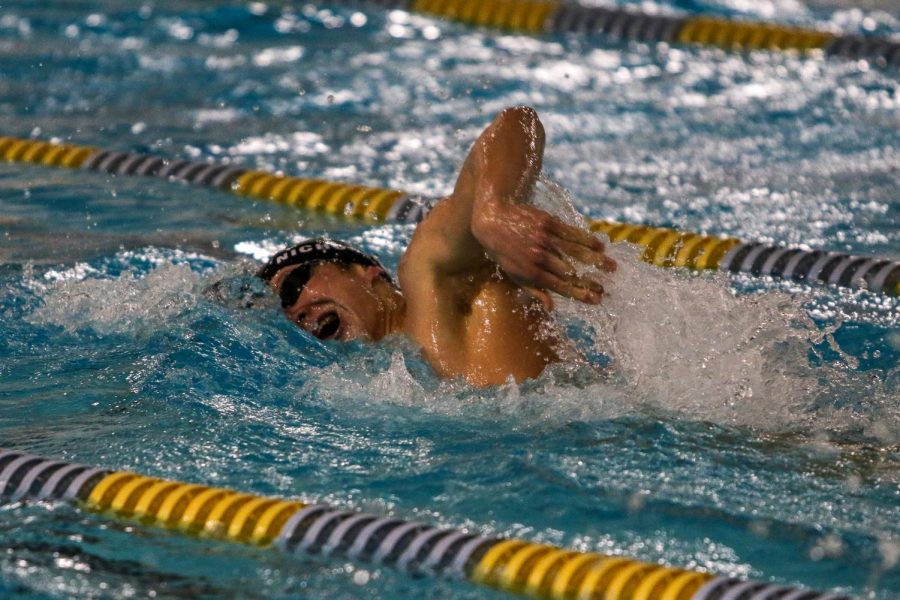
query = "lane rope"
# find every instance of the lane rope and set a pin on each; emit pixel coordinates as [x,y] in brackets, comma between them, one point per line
[552,16]
[663,247]
[294,527]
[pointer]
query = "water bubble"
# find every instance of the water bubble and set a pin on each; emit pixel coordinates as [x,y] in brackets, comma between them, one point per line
[361,577]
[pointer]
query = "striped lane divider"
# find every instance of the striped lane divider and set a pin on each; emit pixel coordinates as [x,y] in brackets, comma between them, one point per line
[337,199]
[333,198]
[663,247]
[552,16]
[297,528]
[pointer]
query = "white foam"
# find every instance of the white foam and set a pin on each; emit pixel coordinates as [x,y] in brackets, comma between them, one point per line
[686,344]
[127,304]
[261,251]
[336,384]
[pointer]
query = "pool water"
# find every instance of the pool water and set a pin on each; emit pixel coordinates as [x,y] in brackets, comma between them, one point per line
[743,426]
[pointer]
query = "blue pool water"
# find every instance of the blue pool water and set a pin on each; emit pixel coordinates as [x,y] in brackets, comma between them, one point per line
[748,427]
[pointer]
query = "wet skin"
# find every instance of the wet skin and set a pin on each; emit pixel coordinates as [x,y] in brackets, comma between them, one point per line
[345,303]
[475,278]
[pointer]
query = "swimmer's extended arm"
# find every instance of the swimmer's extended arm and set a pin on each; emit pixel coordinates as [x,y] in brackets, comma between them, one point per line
[485,221]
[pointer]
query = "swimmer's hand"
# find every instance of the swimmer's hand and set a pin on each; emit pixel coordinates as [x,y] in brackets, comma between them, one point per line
[537,250]
[487,221]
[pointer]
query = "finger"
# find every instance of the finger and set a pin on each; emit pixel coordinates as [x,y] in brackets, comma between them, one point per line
[544,268]
[609,265]
[565,271]
[585,255]
[576,235]
[592,295]
[557,264]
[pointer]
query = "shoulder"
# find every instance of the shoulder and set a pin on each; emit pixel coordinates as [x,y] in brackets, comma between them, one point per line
[432,243]
[432,287]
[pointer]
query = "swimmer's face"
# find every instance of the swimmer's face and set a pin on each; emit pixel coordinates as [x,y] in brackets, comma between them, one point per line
[345,302]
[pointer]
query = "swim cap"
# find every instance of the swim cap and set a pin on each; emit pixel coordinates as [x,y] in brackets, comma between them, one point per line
[307,254]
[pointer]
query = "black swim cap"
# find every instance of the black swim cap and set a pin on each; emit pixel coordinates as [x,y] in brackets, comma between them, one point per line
[307,254]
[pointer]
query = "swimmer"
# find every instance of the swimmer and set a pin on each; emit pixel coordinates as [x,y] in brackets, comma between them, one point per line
[474,282]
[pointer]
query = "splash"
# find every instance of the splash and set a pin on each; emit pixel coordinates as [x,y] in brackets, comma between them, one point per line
[675,343]
[686,343]
[131,303]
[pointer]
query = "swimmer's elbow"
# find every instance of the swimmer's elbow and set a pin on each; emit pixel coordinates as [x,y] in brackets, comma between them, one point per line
[514,142]
[520,114]
[521,117]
